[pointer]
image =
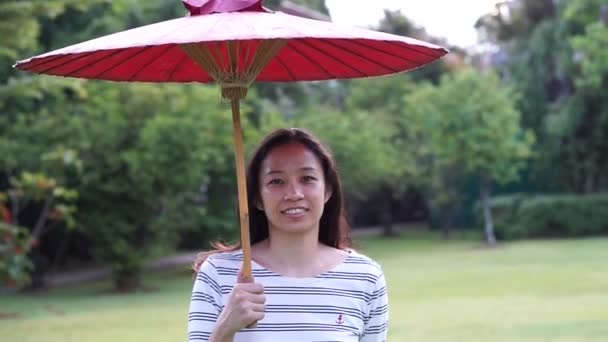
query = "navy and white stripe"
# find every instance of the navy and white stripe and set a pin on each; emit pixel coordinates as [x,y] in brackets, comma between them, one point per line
[347,304]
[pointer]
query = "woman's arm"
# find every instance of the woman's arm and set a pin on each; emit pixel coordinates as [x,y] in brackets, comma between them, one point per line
[205,304]
[376,325]
[209,320]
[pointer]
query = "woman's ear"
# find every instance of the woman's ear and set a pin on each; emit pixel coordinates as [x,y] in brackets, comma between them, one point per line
[328,193]
[258,205]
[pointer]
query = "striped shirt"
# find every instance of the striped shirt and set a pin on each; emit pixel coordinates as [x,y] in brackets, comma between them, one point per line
[348,303]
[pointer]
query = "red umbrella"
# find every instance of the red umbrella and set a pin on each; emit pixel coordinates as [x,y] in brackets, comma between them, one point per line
[234,43]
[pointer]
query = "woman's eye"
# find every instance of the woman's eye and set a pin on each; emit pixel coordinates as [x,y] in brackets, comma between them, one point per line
[275,181]
[308,178]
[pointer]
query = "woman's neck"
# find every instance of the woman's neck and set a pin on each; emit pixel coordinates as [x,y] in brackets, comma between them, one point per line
[292,255]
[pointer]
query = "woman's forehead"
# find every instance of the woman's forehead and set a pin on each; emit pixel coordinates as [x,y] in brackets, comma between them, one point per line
[290,157]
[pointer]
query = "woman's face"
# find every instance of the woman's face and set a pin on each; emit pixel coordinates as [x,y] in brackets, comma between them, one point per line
[292,189]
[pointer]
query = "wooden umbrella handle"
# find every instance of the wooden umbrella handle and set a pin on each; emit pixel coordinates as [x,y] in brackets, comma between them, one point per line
[242,188]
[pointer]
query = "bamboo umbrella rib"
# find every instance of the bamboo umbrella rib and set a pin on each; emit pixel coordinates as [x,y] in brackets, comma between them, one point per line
[88,65]
[119,62]
[329,55]
[149,60]
[266,51]
[300,51]
[234,81]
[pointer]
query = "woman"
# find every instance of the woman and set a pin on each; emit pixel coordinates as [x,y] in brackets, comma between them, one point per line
[309,286]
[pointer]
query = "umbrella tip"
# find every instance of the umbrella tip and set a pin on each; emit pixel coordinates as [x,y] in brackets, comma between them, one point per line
[197,7]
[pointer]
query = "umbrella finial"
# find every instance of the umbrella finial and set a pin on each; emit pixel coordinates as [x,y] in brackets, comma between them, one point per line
[196,7]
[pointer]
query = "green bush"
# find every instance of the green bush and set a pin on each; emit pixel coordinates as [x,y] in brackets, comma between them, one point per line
[504,209]
[15,266]
[528,216]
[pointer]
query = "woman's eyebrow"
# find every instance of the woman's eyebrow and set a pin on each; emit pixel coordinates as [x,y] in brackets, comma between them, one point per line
[304,168]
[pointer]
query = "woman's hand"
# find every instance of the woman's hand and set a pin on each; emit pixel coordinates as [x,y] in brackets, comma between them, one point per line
[244,308]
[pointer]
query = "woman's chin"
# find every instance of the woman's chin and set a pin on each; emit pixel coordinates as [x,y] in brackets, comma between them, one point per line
[295,226]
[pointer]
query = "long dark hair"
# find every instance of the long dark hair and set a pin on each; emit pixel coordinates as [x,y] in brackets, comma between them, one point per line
[333,226]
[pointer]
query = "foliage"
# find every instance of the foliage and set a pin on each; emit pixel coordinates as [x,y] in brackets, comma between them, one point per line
[471,127]
[37,203]
[147,153]
[395,22]
[554,56]
[15,266]
[535,216]
[147,156]
[54,200]
[478,126]
[21,26]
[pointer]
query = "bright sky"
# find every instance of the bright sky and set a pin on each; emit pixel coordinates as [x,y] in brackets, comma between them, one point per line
[451,19]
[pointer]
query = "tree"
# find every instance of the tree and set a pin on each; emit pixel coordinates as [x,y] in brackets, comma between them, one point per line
[48,201]
[384,98]
[146,150]
[547,47]
[15,243]
[472,126]
[395,22]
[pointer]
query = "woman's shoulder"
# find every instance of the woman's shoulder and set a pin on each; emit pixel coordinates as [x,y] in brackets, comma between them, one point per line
[227,256]
[363,261]
[223,259]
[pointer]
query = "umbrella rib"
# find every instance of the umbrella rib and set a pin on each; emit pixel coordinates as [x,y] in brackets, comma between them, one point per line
[284,66]
[120,62]
[37,62]
[146,64]
[363,56]
[440,52]
[88,65]
[344,62]
[319,66]
[176,67]
[75,57]
[400,46]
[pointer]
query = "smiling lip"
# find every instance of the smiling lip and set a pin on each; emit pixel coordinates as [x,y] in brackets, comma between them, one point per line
[294,211]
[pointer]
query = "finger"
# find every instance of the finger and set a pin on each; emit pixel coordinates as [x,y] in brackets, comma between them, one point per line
[258,307]
[253,288]
[250,289]
[242,278]
[257,299]
[256,316]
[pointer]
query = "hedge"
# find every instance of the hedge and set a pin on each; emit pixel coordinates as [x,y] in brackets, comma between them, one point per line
[522,216]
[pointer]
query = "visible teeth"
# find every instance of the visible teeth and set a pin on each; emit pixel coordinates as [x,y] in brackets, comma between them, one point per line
[293,211]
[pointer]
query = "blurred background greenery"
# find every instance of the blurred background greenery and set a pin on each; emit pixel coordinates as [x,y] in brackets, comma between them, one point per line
[503,145]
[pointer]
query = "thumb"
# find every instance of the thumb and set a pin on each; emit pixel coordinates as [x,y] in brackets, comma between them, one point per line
[242,278]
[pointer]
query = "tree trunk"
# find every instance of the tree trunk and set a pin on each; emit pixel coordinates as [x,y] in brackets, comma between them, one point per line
[446,221]
[387,215]
[39,272]
[127,281]
[487,213]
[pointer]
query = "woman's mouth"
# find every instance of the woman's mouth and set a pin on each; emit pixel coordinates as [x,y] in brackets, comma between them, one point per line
[294,211]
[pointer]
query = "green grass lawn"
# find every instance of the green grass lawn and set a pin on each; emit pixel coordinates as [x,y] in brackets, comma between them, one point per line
[438,290]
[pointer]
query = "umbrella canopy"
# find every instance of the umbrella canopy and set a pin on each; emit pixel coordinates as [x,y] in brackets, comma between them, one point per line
[313,50]
[234,43]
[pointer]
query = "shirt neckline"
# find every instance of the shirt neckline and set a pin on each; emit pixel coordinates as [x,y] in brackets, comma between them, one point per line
[316,277]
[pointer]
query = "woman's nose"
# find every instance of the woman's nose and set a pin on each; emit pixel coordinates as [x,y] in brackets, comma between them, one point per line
[294,192]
